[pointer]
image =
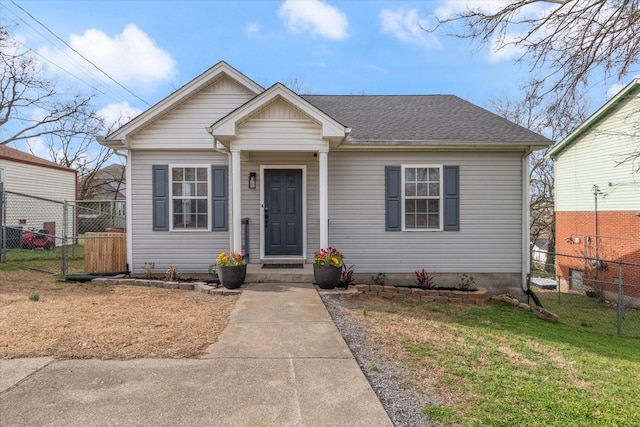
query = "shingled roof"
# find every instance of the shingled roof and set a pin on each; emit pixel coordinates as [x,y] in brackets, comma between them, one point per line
[421,118]
[8,153]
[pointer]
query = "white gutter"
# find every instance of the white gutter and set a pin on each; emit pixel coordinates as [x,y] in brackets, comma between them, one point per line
[128,207]
[526,219]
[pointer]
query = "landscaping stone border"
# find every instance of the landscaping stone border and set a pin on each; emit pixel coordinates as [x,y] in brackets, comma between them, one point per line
[479,296]
[202,287]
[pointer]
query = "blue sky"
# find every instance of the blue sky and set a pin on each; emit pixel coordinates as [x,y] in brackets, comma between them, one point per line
[329,47]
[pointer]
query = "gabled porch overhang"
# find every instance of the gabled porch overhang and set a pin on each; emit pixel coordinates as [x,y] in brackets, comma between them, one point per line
[225,134]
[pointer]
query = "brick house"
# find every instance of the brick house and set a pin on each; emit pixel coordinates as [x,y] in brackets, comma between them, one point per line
[597,198]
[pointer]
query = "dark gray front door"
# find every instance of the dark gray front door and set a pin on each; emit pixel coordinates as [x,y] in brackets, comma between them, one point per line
[283,211]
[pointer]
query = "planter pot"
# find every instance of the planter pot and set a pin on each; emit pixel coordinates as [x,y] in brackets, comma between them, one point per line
[232,277]
[326,276]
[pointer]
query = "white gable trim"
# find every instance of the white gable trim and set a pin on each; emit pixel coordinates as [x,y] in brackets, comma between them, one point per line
[226,129]
[121,136]
[602,112]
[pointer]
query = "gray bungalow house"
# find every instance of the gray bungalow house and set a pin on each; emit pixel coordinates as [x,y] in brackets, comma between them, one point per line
[396,183]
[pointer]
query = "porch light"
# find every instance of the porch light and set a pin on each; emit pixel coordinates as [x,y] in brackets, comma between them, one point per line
[252,180]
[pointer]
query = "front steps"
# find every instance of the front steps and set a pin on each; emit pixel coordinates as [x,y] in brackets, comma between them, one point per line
[257,274]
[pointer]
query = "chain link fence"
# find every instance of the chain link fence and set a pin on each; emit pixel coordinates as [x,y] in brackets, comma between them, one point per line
[46,233]
[600,294]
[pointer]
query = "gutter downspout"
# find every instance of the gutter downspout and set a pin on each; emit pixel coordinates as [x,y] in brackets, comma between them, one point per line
[128,208]
[127,169]
[526,226]
[526,219]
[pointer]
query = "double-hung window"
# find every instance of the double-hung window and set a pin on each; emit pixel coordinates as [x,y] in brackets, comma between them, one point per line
[189,197]
[422,196]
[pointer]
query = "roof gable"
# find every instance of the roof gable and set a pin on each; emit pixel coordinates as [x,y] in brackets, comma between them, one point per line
[205,81]
[603,112]
[277,102]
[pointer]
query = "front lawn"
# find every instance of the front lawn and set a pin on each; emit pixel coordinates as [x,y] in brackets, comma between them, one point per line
[501,366]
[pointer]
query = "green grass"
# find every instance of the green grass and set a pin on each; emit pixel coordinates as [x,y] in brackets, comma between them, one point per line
[508,367]
[45,263]
[73,251]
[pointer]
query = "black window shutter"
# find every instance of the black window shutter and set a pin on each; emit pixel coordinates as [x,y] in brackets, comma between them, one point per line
[160,190]
[393,195]
[451,198]
[219,198]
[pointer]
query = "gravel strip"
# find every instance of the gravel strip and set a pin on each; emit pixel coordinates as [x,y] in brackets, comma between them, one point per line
[388,378]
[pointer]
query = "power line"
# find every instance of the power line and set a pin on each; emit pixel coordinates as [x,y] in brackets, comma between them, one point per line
[79,54]
[53,63]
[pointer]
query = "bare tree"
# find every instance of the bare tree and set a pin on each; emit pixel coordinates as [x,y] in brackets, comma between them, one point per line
[74,145]
[32,106]
[532,112]
[565,43]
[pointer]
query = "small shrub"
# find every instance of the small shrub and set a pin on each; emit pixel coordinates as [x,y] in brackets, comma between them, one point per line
[424,280]
[172,274]
[346,278]
[379,279]
[34,296]
[467,282]
[373,368]
[148,268]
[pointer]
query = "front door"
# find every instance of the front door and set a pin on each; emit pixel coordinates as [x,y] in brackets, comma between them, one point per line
[283,211]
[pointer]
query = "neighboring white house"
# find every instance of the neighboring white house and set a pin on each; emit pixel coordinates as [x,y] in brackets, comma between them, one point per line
[539,252]
[42,187]
[597,197]
[397,183]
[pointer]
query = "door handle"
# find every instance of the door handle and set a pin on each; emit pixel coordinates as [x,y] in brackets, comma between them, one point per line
[266,217]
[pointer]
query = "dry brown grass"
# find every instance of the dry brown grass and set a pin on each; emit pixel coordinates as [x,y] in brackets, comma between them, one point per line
[84,321]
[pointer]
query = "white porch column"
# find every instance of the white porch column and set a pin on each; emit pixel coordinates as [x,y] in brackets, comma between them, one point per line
[236,202]
[323,176]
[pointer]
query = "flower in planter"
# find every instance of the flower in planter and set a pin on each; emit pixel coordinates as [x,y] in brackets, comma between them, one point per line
[230,260]
[329,257]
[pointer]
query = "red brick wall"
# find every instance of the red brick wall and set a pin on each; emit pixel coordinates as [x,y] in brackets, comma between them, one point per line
[618,240]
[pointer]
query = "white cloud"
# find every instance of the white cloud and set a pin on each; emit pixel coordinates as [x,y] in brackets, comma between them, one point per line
[131,57]
[252,29]
[38,147]
[614,90]
[449,8]
[617,87]
[502,47]
[315,17]
[118,114]
[406,26]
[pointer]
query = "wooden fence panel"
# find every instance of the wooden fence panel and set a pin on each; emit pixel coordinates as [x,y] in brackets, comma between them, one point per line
[105,252]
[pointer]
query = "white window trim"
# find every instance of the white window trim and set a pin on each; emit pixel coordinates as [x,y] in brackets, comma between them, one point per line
[440,199]
[1,174]
[208,198]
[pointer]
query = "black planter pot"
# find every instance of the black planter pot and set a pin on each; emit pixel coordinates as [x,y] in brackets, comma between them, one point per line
[326,276]
[232,277]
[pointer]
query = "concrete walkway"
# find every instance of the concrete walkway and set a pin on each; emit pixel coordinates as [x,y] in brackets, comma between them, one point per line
[280,362]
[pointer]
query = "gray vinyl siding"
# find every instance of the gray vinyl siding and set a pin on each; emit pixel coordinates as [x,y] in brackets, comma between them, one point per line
[594,158]
[188,251]
[184,127]
[490,236]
